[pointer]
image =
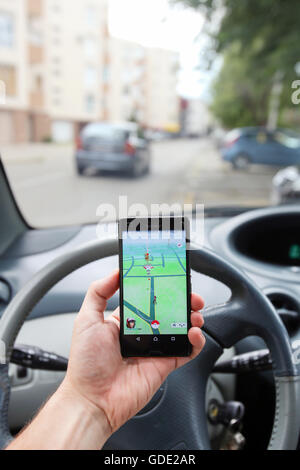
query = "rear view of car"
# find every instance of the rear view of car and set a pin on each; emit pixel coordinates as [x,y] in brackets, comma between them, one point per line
[111,147]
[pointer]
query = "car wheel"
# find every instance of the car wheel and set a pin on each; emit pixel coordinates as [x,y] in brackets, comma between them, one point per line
[136,171]
[241,162]
[146,170]
[80,170]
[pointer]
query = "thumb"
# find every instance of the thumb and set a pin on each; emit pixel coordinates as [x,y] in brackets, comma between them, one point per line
[97,295]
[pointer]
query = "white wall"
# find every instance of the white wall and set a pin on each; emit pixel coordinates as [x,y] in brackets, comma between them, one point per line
[17,54]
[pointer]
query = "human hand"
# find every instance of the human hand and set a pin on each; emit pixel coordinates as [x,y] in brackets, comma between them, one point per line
[97,372]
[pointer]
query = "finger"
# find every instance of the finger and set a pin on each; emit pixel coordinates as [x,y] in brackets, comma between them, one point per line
[197,319]
[197,302]
[197,339]
[116,314]
[114,317]
[99,292]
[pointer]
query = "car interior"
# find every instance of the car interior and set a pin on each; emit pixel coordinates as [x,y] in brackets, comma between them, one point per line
[243,390]
[236,266]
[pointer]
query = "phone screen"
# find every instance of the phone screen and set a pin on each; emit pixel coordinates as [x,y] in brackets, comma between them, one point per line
[154,273]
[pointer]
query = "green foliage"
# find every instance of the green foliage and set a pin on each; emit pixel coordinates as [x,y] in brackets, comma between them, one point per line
[257,38]
[239,99]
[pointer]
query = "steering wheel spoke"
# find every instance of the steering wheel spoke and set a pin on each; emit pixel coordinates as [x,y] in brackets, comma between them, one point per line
[225,323]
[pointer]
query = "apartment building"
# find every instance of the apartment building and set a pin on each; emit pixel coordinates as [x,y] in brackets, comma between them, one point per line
[37,118]
[60,69]
[13,71]
[51,69]
[142,85]
[75,63]
[162,104]
[196,117]
[126,69]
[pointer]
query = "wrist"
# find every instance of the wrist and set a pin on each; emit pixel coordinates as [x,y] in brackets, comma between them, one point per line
[68,421]
[92,418]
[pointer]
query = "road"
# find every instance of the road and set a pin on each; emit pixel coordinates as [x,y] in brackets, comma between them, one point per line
[50,193]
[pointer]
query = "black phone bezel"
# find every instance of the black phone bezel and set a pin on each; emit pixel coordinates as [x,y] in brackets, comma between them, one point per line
[147,346]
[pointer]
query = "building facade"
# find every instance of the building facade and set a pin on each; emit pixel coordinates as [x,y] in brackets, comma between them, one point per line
[196,119]
[162,102]
[126,76]
[75,63]
[13,71]
[60,69]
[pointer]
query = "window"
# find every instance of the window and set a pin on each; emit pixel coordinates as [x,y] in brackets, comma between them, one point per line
[35,31]
[90,103]
[36,37]
[105,74]
[105,132]
[161,66]
[57,102]
[90,77]
[8,77]
[56,8]
[6,29]
[56,41]
[90,16]
[39,82]
[90,48]
[287,140]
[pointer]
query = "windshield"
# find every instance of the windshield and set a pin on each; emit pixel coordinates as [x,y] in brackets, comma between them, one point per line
[148,102]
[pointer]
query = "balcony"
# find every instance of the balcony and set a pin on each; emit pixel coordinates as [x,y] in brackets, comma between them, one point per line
[36,54]
[35,7]
[36,100]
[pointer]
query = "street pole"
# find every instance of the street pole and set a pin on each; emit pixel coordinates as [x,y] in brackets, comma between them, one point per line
[276,93]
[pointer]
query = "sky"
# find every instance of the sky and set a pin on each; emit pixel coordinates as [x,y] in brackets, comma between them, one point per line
[155,23]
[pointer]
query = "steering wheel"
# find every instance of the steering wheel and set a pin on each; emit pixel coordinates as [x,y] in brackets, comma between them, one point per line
[178,419]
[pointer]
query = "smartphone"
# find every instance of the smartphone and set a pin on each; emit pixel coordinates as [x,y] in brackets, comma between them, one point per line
[155,287]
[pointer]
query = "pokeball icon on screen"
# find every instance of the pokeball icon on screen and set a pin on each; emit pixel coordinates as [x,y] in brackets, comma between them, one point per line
[155,324]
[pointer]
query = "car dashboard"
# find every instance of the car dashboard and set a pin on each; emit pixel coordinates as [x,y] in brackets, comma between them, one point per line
[264,243]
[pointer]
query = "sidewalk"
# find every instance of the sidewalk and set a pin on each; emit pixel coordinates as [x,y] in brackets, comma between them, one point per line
[29,152]
[211,181]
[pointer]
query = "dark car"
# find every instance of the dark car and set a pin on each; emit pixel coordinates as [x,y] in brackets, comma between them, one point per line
[113,147]
[259,146]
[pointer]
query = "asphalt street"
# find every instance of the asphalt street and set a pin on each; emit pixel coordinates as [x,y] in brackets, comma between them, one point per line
[50,193]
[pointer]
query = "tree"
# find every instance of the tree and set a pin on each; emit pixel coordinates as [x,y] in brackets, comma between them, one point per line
[238,98]
[259,42]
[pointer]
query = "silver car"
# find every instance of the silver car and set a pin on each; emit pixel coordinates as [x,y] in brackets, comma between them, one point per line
[286,186]
[113,147]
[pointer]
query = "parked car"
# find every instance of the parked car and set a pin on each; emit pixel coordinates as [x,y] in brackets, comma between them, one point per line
[113,147]
[259,146]
[218,136]
[286,186]
[157,136]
